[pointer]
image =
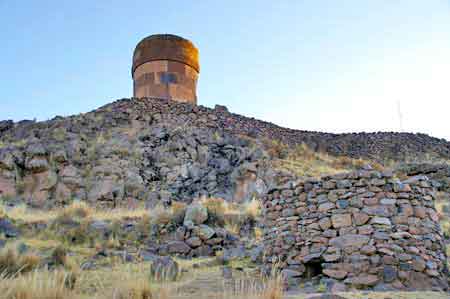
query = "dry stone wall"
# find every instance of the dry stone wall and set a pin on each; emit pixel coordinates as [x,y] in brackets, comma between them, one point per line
[364,229]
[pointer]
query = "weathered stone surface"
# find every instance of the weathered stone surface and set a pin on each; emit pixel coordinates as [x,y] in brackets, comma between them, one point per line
[338,274]
[286,273]
[179,247]
[349,240]
[368,249]
[381,221]
[418,264]
[204,232]
[342,203]
[365,280]
[325,223]
[360,218]
[389,273]
[194,242]
[8,229]
[325,207]
[341,220]
[196,214]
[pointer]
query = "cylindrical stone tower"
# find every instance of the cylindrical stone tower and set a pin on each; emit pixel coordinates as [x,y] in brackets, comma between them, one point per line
[166,66]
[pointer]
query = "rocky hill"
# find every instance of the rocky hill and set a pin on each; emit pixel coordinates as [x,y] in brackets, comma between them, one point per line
[153,150]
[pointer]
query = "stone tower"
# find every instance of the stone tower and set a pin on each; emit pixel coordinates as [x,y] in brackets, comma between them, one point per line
[166,66]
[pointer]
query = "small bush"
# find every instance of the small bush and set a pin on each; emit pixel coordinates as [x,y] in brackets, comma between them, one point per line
[11,263]
[77,211]
[216,209]
[143,225]
[253,209]
[178,210]
[160,215]
[59,256]
[80,234]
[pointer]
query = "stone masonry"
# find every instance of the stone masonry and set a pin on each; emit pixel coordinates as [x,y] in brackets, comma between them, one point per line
[166,66]
[364,229]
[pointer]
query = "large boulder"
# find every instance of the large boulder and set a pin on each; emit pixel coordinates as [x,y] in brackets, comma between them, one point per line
[196,214]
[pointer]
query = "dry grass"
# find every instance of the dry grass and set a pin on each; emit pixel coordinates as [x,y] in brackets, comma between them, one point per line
[253,209]
[396,295]
[37,285]
[161,215]
[173,214]
[216,207]
[131,281]
[79,210]
[134,283]
[12,263]
[256,288]
[178,210]
[303,161]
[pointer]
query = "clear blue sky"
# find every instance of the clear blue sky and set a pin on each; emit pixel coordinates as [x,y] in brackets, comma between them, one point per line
[335,66]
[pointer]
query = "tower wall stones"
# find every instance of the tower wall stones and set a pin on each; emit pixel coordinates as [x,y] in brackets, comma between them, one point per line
[364,229]
[166,66]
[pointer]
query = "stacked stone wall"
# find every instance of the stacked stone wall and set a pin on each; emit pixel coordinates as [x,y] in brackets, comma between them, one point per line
[359,230]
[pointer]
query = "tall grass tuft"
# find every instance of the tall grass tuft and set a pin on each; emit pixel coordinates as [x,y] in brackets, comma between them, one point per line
[12,263]
[36,285]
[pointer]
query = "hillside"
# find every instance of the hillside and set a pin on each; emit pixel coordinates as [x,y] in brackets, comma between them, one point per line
[205,196]
[152,150]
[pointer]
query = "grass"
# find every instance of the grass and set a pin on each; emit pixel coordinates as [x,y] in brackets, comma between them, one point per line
[216,208]
[131,282]
[253,209]
[38,284]
[116,279]
[174,214]
[12,263]
[78,210]
[304,161]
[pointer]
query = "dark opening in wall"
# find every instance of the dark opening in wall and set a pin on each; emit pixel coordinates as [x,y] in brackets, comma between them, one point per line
[313,269]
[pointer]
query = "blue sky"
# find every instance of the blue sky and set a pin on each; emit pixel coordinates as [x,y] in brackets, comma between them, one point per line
[326,65]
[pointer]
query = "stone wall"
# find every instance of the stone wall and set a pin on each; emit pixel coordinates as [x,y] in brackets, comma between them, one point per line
[170,80]
[364,229]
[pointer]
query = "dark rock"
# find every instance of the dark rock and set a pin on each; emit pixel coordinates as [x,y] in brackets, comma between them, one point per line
[8,229]
[342,203]
[389,273]
[194,242]
[178,247]
[203,251]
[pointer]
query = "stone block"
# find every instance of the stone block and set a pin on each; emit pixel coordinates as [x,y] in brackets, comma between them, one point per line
[341,220]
